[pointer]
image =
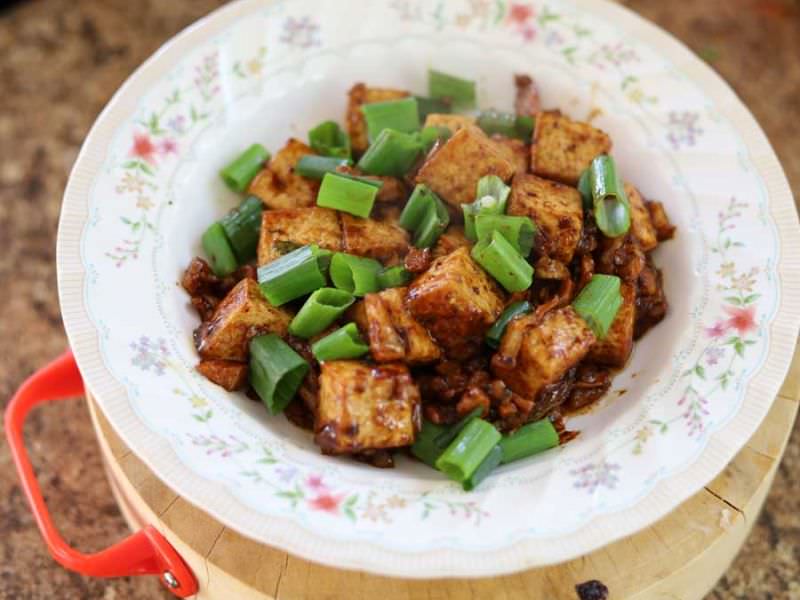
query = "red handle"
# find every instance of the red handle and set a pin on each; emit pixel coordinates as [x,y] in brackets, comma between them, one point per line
[145,552]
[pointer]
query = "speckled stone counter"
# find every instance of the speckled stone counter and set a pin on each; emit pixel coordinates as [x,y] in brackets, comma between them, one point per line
[60,62]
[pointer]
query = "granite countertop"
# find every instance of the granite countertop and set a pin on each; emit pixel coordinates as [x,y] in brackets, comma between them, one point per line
[60,62]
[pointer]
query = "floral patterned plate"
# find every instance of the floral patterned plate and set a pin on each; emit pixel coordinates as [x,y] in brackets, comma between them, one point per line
[145,186]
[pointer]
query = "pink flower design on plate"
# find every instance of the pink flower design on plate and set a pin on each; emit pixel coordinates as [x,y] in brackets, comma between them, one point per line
[143,148]
[716,330]
[741,319]
[326,502]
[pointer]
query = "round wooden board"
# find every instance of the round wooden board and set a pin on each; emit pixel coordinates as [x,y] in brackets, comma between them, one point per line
[681,556]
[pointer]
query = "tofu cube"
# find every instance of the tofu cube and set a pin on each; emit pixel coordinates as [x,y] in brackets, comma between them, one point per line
[228,374]
[285,229]
[365,407]
[563,148]
[279,186]
[535,354]
[515,151]
[376,239]
[454,169]
[456,301]
[452,122]
[614,349]
[360,95]
[242,314]
[451,240]
[394,335]
[641,224]
[556,210]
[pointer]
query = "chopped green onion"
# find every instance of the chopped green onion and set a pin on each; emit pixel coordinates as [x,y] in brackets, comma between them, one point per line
[489,464]
[612,211]
[218,249]
[598,303]
[463,456]
[450,433]
[376,183]
[355,274]
[518,231]
[416,207]
[242,227]
[343,343]
[528,440]
[460,93]
[315,167]
[492,196]
[492,185]
[238,174]
[347,194]
[525,125]
[322,308]
[400,115]
[585,188]
[503,262]
[392,153]
[432,134]
[392,277]
[432,106]
[512,311]
[323,258]
[432,226]
[496,122]
[276,371]
[329,139]
[292,275]
[425,447]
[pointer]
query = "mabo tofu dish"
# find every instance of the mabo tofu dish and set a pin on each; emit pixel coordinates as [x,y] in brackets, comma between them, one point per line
[432,278]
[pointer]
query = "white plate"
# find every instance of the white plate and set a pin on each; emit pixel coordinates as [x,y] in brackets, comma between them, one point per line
[145,186]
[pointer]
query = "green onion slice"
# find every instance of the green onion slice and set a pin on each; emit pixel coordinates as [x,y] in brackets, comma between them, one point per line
[525,125]
[342,344]
[528,440]
[598,303]
[219,251]
[238,174]
[416,207]
[242,227]
[355,274]
[450,433]
[329,139]
[492,197]
[431,106]
[496,122]
[322,308]
[512,311]
[432,226]
[392,277]
[489,464]
[291,276]
[425,447]
[518,231]
[351,195]
[612,211]
[276,371]
[315,167]
[392,153]
[460,93]
[503,262]
[463,456]
[585,188]
[400,115]
[432,134]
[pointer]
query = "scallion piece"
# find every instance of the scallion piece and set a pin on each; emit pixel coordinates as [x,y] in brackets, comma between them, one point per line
[392,277]
[496,122]
[355,274]
[291,276]
[342,344]
[416,207]
[612,211]
[276,371]
[218,250]
[460,93]
[428,106]
[450,433]
[322,308]
[512,311]
[598,303]
[400,115]
[503,262]
[329,139]
[585,188]
[432,226]
[463,456]
[425,447]
[525,125]
[492,185]
[324,257]
[432,134]
[347,194]
[528,440]
[242,227]
[518,231]
[492,197]
[238,174]
[392,153]
[489,464]
[315,167]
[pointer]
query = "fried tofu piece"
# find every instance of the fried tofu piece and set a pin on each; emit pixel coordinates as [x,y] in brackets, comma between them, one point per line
[456,301]
[283,230]
[359,95]
[453,171]
[365,407]
[556,210]
[228,374]
[279,186]
[614,349]
[452,122]
[394,335]
[534,354]
[641,225]
[658,217]
[451,240]
[367,237]
[563,148]
[515,151]
[242,314]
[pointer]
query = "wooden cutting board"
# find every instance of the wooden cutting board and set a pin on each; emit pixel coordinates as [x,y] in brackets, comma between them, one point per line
[680,557]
